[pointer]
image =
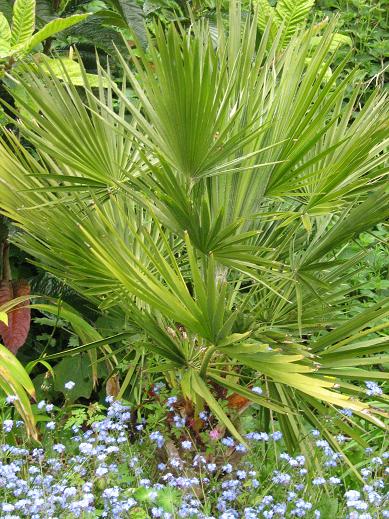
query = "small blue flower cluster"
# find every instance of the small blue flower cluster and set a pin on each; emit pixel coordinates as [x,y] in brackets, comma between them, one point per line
[104,471]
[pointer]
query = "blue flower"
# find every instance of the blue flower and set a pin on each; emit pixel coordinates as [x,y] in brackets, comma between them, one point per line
[101,471]
[157,437]
[179,422]
[170,401]
[240,448]
[158,387]
[8,425]
[255,436]
[59,447]
[228,442]
[340,438]
[281,478]
[319,481]
[373,389]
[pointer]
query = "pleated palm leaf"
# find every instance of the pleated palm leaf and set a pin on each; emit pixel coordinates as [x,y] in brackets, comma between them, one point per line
[213,211]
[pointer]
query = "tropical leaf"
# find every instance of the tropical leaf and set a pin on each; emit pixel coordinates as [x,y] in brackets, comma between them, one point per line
[14,381]
[292,14]
[132,13]
[5,29]
[52,28]
[23,22]
[93,32]
[6,9]
[68,70]
[266,16]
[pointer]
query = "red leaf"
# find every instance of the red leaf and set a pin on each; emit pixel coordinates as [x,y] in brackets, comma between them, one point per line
[19,318]
[236,401]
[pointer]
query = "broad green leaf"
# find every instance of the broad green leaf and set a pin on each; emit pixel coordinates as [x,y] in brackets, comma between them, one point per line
[77,369]
[328,507]
[70,71]
[5,30]
[23,22]
[52,28]
[5,48]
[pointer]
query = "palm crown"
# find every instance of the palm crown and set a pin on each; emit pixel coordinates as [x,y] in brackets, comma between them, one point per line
[212,210]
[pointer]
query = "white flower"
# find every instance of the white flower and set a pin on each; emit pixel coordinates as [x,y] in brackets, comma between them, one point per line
[11,399]
[70,385]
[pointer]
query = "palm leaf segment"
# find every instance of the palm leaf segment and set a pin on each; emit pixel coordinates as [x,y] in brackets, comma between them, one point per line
[220,207]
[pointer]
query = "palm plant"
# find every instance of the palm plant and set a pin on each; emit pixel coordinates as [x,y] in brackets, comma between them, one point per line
[212,211]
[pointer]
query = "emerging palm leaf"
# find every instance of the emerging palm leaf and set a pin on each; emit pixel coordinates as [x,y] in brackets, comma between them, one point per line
[213,211]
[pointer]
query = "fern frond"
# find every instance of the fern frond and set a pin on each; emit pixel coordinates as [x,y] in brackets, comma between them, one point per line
[265,12]
[293,14]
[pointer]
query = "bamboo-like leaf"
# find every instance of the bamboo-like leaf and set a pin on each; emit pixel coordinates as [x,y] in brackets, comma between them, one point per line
[15,382]
[201,388]
[250,395]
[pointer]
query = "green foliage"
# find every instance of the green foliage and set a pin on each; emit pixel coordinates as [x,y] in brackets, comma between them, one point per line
[19,40]
[288,18]
[366,22]
[212,212]
[23,22]
[111,23]
[15,382]
[290,15]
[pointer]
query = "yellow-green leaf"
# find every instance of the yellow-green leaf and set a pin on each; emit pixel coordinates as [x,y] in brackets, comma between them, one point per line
[54,27]
[201,388]
[5,30]
[5,48]
[12,369]
[23,22]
